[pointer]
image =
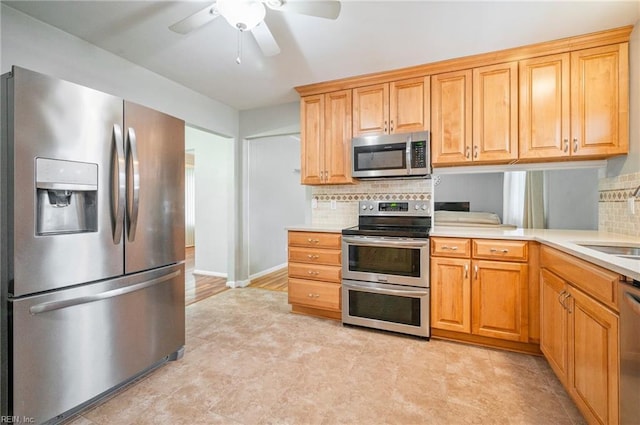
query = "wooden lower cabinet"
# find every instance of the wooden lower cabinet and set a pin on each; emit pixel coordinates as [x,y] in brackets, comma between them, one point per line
[499,300]
[482,298]
[315,273]
[450,294]
[580,335]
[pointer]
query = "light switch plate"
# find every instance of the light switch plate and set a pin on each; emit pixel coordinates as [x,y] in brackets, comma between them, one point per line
[333,204]
[631,205]
[314,203]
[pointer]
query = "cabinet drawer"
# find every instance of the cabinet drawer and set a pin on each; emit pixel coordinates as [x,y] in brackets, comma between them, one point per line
[594,280]
[451,247]
[314,294]
[315,272]
[315,239]
[331,257]
[500,249]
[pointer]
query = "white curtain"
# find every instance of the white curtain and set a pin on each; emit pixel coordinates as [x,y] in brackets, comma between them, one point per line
[190,200]
[513,197]
[533,217]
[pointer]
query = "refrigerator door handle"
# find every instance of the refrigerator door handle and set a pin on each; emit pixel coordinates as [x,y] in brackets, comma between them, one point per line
[58,305]
[119,199]
[134,203]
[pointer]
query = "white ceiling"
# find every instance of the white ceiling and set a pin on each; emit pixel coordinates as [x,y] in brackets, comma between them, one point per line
[367,37]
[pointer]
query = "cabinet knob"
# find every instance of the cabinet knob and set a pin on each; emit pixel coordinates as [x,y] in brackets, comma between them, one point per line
[451,248]
[504,251]
[475,151]
[313,273]
[566,145]
[385,126]
[313,257]
[391,129]
[575,144]
[313,240]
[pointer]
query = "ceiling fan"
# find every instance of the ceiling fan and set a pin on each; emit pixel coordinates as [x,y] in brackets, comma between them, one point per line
[248,15]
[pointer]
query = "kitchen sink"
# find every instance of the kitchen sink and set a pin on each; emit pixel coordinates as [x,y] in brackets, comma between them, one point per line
[631,252]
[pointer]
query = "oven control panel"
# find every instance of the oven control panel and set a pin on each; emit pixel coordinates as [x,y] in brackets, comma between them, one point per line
[396,208]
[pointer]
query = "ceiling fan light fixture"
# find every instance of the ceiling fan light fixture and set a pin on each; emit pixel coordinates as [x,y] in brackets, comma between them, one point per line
[242,14]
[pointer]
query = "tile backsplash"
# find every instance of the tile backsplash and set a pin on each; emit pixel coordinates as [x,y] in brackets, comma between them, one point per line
[346,197]
[613,209]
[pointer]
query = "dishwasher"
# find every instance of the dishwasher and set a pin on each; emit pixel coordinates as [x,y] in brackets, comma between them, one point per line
[629,351]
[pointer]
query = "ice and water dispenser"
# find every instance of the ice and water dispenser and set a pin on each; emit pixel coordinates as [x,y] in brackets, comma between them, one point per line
[67,193]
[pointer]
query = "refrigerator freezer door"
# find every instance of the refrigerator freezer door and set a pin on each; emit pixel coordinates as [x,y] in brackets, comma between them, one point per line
[154,145]
[72,345]
[61,141]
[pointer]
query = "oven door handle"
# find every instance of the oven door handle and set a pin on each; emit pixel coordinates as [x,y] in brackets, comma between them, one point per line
[385,242]
[386,291]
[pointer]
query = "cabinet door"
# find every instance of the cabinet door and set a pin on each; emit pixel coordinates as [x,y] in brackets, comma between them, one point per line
[371,110]
[553,322]
[499,300]
[544,107]
[593,358]
[409,105]
[495,113]
[600,100]
[337,137]
[451,294]
[311,128]
[451,118]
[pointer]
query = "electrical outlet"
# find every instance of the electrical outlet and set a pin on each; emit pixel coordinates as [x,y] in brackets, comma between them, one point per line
[631,205]
[314,203]
[333,204]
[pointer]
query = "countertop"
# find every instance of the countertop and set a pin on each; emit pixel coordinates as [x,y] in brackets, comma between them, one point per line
[568,241]
[317,228]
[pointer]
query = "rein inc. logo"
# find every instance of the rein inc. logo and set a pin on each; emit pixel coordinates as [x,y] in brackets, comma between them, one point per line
[17,420]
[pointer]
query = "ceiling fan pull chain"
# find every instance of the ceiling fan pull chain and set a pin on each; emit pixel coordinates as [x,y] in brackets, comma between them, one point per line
[239,57]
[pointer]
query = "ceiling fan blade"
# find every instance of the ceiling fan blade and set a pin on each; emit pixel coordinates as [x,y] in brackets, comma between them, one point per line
[265,39]
[196,20]
[329,9]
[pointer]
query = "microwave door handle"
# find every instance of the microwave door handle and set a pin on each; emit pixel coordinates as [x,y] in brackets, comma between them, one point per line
[408,156]
[386,291]
[386,242]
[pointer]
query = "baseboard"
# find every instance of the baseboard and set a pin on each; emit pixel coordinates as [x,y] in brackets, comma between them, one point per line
[238,283]
[208,273]
[268,271]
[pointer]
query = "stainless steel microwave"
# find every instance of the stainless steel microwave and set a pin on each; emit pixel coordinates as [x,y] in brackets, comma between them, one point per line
[391,155]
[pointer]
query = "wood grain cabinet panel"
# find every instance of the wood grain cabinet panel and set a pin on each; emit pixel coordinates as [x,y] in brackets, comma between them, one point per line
[325,144]
[500,250]
[451,106]
[315,273]
[575,105]
[390,108]
[545,107]
[499,300]
[495,113]
[580,336]
[600,101]
[451,294]
[451,247]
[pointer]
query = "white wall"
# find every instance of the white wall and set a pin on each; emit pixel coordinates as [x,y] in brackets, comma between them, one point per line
[482,190]
[213,174]
[276,199]
[571,199]
[29,43]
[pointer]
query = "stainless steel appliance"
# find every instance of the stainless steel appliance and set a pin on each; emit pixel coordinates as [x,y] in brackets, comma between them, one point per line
[92,249]
[391,155]
[385,267]
[629,297]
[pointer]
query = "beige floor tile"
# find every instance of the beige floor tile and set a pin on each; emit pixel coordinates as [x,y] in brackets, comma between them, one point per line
[248,360]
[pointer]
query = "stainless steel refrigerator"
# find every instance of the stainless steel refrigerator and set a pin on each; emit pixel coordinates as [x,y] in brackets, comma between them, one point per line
[92,247]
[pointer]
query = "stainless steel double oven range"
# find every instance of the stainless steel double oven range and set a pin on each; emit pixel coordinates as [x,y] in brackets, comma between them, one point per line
[385,267]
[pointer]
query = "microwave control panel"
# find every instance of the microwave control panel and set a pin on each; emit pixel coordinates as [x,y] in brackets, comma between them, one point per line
[419,154]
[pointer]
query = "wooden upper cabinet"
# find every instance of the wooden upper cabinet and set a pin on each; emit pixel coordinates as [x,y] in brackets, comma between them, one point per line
[575,104]
[495,113]
[389,108]
[409,105]
[311,133]
[371,110]
[337,143]
[451,117]
[325,128]
[544,107]
[600,101]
